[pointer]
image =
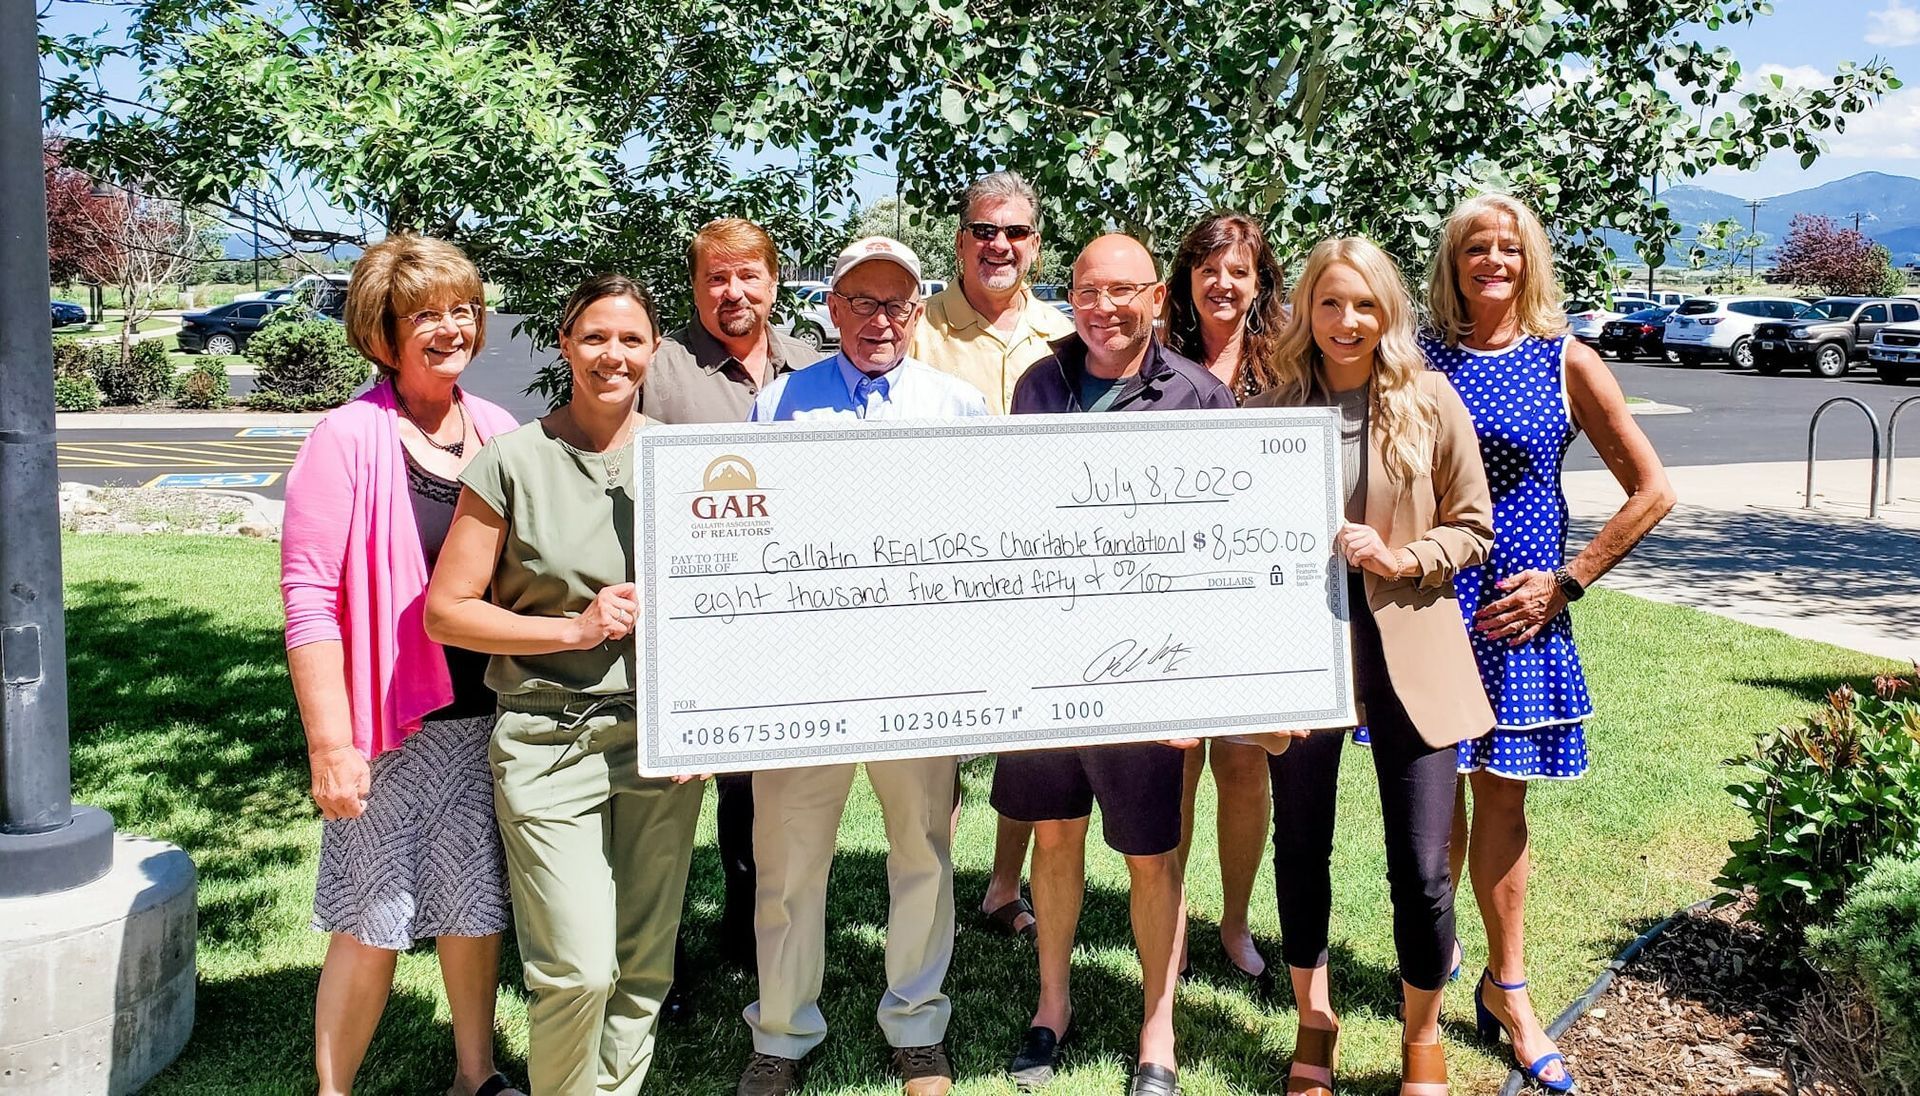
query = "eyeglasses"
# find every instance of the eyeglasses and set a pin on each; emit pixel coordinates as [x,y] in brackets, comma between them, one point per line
[1121,294]
[465,315]
[985,231]
[897,311]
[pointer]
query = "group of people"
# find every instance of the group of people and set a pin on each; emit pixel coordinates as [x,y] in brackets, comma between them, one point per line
[460,591]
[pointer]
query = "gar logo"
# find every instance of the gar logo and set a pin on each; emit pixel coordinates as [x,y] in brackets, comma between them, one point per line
[727,489]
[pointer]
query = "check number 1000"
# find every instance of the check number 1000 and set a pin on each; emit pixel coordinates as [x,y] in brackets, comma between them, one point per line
[1281,446]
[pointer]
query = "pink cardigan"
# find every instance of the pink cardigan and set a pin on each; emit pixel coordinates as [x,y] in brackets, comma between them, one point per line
[351,567]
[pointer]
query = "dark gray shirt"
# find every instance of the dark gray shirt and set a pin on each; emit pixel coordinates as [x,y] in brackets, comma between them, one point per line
[694,379]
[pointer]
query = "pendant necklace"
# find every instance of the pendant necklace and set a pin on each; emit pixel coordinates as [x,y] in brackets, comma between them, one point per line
[454,449]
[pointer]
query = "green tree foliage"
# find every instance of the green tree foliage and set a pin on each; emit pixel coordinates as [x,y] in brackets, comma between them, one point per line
[556,138]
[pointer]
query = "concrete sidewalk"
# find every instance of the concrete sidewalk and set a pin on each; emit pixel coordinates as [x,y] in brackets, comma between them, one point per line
[1739,544]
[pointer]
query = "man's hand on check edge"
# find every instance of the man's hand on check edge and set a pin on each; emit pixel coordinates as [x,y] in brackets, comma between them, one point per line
[684,777]
[1180,743]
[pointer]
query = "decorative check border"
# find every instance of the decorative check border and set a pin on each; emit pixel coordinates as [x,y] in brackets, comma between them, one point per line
[656,438]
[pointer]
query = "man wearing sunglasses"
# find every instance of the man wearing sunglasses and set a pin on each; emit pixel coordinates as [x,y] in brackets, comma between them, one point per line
[986,328]
[875,301]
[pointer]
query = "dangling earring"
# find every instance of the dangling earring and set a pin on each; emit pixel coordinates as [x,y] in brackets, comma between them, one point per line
[1255,324]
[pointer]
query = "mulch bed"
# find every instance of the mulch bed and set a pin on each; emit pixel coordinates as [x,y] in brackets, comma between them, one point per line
[1711,1007]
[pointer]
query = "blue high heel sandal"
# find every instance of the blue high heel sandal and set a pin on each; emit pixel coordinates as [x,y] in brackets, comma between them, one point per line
[1491,1029]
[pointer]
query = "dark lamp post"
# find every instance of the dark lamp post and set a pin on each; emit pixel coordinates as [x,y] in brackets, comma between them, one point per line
[46,843]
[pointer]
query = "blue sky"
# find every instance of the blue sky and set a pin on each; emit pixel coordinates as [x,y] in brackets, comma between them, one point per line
[1803,40]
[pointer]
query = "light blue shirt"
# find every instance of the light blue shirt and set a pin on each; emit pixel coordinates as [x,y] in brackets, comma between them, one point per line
[833,389]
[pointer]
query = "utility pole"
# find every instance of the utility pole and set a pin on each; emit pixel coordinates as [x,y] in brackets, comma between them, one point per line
[1653,194]
[255,193]
[46,843]
[1753,234]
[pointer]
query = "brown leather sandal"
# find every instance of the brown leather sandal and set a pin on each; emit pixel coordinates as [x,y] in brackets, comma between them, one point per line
[1320,1049]
[1422,1064]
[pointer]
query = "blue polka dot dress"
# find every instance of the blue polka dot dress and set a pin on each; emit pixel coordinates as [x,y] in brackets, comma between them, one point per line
[1518,399]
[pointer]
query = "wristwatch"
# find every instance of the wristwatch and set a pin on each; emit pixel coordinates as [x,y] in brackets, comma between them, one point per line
[1570,587]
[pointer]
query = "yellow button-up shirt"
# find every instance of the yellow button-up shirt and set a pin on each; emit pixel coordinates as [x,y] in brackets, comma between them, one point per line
[956,339]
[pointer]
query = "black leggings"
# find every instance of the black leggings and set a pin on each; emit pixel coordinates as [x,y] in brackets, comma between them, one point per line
[1416,805]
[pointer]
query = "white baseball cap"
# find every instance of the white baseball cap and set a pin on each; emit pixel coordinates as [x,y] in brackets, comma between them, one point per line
[872,248]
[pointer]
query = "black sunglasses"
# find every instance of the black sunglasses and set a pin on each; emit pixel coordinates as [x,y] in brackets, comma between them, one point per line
[985,231]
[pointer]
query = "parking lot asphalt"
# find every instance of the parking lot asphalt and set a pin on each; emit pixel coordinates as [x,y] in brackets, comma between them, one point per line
[1740,417]
[1735,417]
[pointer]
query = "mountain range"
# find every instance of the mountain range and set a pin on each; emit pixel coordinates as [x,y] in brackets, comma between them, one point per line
[1889,208]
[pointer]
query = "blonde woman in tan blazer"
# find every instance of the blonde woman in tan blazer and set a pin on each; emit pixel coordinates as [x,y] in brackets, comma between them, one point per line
[1418,511]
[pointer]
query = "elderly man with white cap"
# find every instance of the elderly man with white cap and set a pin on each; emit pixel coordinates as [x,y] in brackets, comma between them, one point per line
[875,302]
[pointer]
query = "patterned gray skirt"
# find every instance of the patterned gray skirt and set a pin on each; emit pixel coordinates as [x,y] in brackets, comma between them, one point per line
[424,859]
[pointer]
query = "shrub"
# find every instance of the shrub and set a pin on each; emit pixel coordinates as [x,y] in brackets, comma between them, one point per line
[304,364]
[143,376]
[1873,946]
[73,358]
[75,392]
[204,386]
[1827,798]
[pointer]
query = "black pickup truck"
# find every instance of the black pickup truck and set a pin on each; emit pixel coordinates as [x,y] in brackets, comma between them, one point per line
[1828,335]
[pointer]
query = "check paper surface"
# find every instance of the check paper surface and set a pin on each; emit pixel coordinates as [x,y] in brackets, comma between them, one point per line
[816,594]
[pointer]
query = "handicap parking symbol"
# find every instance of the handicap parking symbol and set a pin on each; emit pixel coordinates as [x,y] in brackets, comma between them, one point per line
[215,479]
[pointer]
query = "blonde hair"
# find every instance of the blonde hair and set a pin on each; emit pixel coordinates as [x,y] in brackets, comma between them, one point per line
[1405,418]
[1539,304]
[399,276]
[734,238]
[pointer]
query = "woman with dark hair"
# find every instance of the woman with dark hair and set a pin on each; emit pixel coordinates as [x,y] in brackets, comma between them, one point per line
[1225,307]
[538,572]
[1225,310]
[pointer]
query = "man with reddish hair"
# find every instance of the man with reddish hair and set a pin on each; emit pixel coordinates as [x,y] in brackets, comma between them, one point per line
[710,371]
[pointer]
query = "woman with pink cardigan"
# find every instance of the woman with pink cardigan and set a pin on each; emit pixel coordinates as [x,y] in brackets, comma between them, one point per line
[397,726]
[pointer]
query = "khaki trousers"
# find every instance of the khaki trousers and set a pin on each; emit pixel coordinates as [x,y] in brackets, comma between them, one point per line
[796,822]
[597,861]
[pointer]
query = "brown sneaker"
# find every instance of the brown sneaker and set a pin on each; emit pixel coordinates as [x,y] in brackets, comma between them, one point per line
[925,1069]
[769,1075]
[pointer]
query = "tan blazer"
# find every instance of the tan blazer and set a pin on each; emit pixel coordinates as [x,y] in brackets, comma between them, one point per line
[1446,519]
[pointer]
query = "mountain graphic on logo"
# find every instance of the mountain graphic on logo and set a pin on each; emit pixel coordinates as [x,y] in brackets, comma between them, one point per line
[729,473]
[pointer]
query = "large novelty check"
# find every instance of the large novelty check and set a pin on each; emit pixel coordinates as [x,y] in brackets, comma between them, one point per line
[839,592]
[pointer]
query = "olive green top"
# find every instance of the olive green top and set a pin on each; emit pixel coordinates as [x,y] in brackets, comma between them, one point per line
[569,516]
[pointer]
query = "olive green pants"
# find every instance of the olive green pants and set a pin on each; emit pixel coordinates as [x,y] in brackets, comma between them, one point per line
[597,859]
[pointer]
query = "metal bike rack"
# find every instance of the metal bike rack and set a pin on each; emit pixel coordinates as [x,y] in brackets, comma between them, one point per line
[1873,482]
[1893,424]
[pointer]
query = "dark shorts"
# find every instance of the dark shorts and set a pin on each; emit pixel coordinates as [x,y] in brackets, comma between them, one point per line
[1137,785]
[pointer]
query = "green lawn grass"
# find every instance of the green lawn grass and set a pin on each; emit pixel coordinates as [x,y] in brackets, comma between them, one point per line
[114,325]
[184,728]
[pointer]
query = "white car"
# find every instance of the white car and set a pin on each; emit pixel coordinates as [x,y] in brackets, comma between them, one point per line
[1670,298]
[1586,319]
[811,323]
[1721,328]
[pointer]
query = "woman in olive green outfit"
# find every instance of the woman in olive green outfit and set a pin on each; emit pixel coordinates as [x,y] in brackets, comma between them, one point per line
[538,572]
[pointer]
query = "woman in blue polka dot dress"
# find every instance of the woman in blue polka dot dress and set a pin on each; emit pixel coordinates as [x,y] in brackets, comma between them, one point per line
[1500,335]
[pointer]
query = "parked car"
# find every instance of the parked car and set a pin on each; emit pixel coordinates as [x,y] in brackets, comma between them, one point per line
[66,313]
[1586,318]
[1055,295]
[1721,328]
[324,293]
[1670,298]
[1636,335]
[226,329]
[810,322]
[1828,335]
[1895,353]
